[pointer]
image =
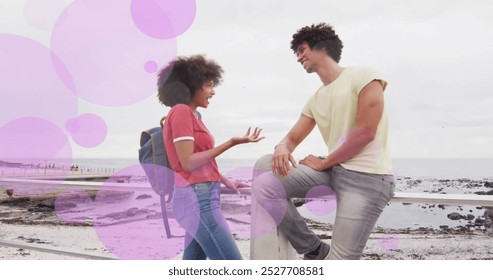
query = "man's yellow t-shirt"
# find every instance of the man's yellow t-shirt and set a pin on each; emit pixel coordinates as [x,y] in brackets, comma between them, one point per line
[334,108]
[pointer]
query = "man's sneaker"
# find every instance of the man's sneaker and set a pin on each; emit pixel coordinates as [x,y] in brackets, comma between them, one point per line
[320,254]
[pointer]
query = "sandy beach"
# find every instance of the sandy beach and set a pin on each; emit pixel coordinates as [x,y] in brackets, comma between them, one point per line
[414,245]
[130,226]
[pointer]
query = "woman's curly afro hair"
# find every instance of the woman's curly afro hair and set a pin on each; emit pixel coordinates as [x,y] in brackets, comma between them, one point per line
[181,78]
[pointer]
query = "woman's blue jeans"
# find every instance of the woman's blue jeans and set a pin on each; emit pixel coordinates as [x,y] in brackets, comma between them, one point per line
[197,209]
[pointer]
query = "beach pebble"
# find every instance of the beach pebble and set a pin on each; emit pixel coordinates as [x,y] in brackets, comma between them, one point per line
[454,216]
[50,203]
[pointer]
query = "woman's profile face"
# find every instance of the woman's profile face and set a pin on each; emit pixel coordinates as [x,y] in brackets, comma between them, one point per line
[203,95]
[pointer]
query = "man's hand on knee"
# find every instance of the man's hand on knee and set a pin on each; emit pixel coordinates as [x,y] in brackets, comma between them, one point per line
[281,160]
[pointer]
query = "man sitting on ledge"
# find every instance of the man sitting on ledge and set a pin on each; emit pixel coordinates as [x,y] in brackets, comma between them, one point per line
[349,111]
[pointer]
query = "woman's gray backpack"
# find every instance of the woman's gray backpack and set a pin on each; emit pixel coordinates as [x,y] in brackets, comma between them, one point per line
[154,161]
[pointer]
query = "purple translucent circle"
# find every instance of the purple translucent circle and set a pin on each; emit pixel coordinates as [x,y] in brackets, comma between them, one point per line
[268,206]
[163,19]
[240,229]
[72,126]
[41,15]
[34,148]
[389,242]
[150,66]
[204,170]
[106,54]
[74,206]
[27,139]
[268,209]
[30,85]
[220,218]
[321,200]
[128,218]
[87,130]
[29,190]
[187,213]
[243,174]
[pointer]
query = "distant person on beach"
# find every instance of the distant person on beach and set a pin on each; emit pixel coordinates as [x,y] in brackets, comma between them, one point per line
[186,84]
[349,111]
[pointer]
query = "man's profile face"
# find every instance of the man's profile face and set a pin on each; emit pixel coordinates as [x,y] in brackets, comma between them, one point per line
[307,57]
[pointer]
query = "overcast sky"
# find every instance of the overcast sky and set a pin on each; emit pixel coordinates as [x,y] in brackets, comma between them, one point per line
[435,54]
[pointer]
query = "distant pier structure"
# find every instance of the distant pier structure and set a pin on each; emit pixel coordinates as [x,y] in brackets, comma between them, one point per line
[65,173]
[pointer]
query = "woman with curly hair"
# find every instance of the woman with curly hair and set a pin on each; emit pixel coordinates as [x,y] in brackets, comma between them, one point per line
[184,85]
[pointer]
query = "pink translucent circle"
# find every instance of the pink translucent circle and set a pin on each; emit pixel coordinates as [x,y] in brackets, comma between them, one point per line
[107,55]
[203,170]
[163,19]
[87,130]
[150,66]
[242,174]
[74,206]
[240,204]
[268,212]
[29,189]
[36,149]
[389,242]
[27,139]
[30,85]
[321,200]
[129,218]
[43,16]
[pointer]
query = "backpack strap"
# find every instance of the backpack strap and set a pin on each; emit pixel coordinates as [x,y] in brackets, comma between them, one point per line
[145,136]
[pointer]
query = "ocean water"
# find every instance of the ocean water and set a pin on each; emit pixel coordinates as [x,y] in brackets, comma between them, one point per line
[444,168]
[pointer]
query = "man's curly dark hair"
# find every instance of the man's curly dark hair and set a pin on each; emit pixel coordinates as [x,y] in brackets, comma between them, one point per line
[181,78]
[319,36]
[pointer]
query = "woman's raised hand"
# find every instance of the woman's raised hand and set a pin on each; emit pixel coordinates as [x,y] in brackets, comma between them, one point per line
[249,137]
